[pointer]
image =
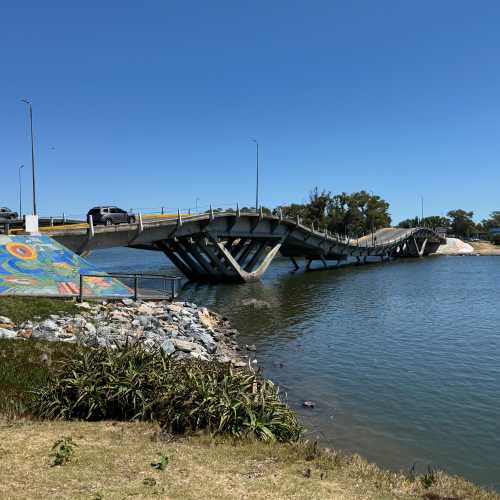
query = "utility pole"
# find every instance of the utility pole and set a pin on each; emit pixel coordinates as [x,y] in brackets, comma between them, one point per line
[257,185]
[32,153]
[422,208]
[20,193]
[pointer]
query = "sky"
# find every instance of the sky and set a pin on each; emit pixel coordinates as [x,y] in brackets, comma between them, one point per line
[155,103]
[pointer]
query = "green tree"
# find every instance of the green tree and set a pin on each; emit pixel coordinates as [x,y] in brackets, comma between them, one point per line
[461,222]
[492,221]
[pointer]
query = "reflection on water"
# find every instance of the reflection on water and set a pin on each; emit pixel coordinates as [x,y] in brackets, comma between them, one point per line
[402,359]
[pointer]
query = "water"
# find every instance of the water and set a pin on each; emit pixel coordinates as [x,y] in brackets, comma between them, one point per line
[402,359]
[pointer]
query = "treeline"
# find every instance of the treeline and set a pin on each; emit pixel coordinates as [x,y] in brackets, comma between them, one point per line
[458,222]
[352,214]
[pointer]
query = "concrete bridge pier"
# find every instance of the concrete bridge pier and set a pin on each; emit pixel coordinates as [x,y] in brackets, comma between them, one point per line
[207,258]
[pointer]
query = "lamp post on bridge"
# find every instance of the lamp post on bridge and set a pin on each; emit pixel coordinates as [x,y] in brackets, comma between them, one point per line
[32,152]
[257,184]
[20,192]
[422,209]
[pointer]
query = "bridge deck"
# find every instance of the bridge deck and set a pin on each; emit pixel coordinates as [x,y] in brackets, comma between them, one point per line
[234,246]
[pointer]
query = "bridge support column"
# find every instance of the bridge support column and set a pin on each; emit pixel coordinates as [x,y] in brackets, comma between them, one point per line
[208,259]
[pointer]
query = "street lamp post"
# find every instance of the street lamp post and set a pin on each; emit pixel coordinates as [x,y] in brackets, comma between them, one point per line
[20,192]
[32,153]
[257,185]
[196,205]
[422,208]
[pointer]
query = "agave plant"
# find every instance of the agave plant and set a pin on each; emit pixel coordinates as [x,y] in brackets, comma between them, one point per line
[132,384]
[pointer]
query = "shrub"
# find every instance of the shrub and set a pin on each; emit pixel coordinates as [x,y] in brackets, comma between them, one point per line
[182,395]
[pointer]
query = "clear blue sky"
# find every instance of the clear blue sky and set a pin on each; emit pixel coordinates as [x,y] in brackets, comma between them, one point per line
[154,103]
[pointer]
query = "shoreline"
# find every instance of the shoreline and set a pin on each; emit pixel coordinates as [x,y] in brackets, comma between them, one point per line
[185,316]
[180,329]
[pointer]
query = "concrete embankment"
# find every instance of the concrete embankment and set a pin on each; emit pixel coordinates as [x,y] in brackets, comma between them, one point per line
[181,329]
[40,266]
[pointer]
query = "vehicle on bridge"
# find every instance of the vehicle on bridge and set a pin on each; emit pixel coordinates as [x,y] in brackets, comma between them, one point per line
[110,215]
[7,213]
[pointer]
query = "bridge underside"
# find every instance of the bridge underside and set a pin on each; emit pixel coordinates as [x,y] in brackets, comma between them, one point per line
[207,259]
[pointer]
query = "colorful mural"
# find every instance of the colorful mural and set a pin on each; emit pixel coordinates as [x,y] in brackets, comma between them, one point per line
[38,265]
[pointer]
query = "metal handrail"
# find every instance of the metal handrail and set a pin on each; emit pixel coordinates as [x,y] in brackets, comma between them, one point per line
[136,277]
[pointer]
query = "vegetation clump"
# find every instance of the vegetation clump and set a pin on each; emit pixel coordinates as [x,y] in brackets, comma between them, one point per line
[182,395]
[20,309]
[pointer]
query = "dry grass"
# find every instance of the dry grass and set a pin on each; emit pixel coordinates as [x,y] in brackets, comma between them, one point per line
[113,460]
[485,247]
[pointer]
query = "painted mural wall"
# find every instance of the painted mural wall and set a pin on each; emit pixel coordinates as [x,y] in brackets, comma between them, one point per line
[38,265]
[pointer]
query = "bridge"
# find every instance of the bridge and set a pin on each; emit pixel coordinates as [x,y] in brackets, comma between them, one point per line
[238,247]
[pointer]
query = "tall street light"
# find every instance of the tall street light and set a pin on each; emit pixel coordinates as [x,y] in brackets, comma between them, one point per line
[20,192]
[257,186]
[32,153]
[422,208]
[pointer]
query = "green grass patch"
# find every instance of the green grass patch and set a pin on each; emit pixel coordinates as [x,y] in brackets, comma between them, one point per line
[26,365]
[20,309]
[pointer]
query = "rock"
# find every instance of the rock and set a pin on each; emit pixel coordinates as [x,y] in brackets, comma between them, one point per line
[240,364]
[199,355]
[251,348]
[50,325]
[120,316]
[90,328]
[168,346]
[128,302]
[83,305]
[309,404]
[145,309]
[207,341]
[5,322]
[184,345]
[25,334]
[7,334]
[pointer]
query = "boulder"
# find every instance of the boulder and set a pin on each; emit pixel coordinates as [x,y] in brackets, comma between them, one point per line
[185,346]
[7,334]
[168,346]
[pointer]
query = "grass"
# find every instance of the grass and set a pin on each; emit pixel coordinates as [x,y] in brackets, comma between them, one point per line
[20,309]
[113,460]
[26,365]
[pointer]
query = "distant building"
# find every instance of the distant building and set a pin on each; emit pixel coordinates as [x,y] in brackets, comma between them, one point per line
[441,231]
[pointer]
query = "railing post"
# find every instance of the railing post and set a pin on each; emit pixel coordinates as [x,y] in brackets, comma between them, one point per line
[91,226]
[81,288]
[173,288]
[136,286]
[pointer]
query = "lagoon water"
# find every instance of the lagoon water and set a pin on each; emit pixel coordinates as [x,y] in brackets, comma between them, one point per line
[402,359]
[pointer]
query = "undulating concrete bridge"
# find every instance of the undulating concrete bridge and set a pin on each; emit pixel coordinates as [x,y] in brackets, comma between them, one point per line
[238,247]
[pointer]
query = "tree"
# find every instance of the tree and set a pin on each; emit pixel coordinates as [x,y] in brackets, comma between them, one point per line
[492,221]
[353,214]
[433,222]
[461,222]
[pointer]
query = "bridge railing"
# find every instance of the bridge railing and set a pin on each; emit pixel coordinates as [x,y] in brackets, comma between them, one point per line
[160,286]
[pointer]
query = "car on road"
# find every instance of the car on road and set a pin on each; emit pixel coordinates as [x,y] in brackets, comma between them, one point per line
[110,215]
[7,213]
